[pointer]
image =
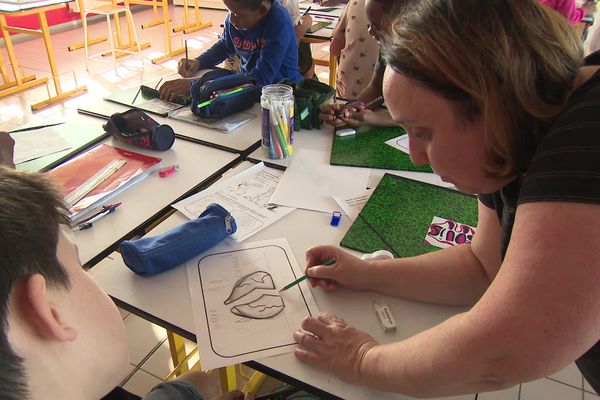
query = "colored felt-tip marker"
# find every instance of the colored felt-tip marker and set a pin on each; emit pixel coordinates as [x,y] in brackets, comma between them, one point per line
[207,102]
[304,277]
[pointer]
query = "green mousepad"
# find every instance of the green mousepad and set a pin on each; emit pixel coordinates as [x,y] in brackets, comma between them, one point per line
[368,149]
[398,215]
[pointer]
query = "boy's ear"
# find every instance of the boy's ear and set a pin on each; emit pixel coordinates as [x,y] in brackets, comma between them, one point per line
[264,7]
[44,316]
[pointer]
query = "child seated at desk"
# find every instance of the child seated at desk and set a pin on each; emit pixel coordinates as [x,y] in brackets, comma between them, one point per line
[261,33]
[61,337]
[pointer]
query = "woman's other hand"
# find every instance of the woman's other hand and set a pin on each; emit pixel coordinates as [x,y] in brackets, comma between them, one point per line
[329,343]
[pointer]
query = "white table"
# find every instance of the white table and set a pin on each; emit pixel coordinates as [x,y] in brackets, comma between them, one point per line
[146,200]
[241,140]
[164,299]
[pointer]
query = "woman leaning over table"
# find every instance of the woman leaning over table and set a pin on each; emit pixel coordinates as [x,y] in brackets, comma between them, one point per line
[498,100]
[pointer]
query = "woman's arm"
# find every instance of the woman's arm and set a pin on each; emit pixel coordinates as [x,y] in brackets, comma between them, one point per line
[539,314]
[457,275]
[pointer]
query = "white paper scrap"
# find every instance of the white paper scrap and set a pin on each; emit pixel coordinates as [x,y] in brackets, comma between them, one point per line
[352,206]
[400,143]
[310,182]
[444,233]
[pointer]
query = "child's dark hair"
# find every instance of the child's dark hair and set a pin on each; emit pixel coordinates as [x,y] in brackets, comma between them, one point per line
[253,4]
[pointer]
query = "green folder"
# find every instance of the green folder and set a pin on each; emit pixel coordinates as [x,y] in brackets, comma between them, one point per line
[399,212]
[368,149]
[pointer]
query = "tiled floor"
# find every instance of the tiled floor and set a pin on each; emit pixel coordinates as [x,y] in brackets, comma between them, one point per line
[150,358]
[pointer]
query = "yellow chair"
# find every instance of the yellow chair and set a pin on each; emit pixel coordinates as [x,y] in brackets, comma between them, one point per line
[108,9]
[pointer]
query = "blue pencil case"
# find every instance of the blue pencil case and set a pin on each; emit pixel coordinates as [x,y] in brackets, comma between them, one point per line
[221,93]
[152,255]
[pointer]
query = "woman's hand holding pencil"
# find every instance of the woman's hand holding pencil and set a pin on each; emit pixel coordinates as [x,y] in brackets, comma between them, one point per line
[347,271]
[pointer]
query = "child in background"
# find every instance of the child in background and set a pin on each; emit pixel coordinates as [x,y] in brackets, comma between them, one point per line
[261,33]
[356,49]
[301,24]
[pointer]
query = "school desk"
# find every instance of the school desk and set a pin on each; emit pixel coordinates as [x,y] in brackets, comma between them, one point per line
[164,299]
[148,199]
[241,140]
[324,11]
[16,82]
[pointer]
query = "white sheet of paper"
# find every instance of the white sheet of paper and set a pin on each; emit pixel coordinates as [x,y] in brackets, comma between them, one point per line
[352,206]
[238,312]
[30,145]
[310,182]
[400,143]
[245,196]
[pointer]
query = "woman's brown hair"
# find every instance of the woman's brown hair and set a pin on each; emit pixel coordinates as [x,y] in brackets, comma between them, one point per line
[512,62]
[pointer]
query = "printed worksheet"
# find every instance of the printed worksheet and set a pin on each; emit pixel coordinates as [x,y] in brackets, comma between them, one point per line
[245,196]
[239,313]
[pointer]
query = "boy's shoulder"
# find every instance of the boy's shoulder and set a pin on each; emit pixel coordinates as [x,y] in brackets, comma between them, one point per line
[278,14]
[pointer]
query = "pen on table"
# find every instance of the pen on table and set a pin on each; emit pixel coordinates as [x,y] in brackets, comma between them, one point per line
[307,10]
[329,261]
[136,95]
[33,128]
[109,209]
[369,104]
[186,53]
[159,81]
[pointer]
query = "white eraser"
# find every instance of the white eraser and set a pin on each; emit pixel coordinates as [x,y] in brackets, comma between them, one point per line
[345,132]
[384,314]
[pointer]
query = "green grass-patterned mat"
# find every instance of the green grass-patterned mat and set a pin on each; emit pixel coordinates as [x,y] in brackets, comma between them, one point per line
[398,215]
[368,149]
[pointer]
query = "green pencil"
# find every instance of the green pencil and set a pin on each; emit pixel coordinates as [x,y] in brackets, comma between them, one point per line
[330,261]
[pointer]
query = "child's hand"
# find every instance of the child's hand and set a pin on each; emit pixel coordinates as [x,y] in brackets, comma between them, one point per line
[187,68]
[329,2]
[172,90]
[356,118]
[337,114]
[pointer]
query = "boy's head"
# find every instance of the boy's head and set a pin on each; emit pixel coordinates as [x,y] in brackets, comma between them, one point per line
[246,14]
[60,335]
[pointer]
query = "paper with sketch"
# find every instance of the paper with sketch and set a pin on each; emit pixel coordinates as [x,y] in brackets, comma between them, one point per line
[238,312]
[400,143]
[352,206]
[310,182]
[245,196]
[444,233]
[38,143]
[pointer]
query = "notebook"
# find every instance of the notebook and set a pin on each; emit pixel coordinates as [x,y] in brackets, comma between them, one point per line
[399,213]
[120,169]
[368,149]
[144,100]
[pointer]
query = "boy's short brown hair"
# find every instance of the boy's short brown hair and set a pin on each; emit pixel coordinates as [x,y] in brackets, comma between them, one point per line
[31,210]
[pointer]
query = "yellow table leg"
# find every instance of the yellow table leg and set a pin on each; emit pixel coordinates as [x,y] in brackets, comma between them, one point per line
[60,95]
[332,69]
[228,379]
[255,382]
[81,45]
[178,353]
[188,27]
[170,53]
